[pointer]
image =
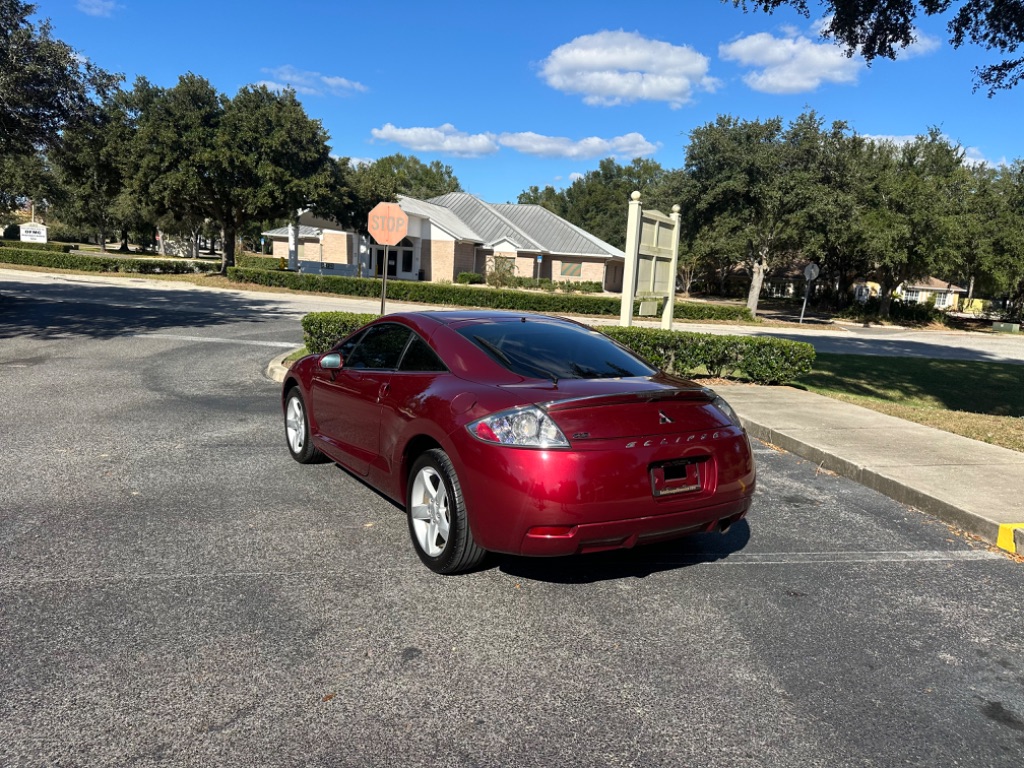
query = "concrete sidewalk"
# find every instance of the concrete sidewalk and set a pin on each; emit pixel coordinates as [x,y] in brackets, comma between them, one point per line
[971,485]
[976,487]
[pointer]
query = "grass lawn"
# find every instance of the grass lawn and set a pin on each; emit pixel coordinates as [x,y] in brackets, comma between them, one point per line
[983,401]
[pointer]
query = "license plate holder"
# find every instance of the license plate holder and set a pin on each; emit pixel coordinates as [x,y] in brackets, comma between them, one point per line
[669,478]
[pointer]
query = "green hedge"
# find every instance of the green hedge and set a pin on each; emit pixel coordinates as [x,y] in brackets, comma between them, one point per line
[52,247]
[255,261]
[104,263]
[762,359]
[321,330]
[465,296]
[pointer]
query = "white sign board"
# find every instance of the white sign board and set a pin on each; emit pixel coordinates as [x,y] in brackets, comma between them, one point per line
[33,233]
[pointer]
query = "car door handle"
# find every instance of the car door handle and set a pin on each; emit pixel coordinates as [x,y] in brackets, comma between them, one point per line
[383,391]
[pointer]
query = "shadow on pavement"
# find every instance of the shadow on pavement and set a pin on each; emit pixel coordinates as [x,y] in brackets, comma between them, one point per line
[59,311]
[636,563]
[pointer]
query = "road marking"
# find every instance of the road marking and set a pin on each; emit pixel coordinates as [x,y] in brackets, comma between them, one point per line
[832,558]
[735,558]
[214,340]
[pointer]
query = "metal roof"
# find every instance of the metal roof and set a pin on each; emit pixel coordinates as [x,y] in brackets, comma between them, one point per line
[483,218]
[555,233]
[441,216]
[527,227]
[305,232]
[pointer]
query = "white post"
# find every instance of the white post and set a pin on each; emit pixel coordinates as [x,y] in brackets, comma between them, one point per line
[670,303]
[632,252]
[293,243]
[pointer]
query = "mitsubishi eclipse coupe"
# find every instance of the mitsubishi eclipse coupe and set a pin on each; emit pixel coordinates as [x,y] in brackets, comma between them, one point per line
[519,433]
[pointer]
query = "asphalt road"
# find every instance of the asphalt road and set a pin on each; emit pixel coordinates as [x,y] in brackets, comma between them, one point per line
[175,590]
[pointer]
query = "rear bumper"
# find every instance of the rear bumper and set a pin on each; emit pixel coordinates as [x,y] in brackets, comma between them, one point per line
[591,500]
[625,534]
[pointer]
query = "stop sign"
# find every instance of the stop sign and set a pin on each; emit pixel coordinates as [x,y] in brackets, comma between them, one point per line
[388,223]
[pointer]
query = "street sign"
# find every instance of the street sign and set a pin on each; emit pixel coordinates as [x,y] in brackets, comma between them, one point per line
[811,272]
[388,224]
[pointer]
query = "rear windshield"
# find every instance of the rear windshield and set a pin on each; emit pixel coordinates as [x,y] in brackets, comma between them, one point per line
[538,349]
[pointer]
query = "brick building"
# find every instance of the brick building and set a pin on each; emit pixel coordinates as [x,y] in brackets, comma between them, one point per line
[458,233]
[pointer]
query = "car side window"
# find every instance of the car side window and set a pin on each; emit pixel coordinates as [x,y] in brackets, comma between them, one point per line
[421,358]
[380,348]
[345,348]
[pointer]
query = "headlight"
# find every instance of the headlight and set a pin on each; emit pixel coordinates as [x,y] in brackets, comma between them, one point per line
[527,427]
[726,410]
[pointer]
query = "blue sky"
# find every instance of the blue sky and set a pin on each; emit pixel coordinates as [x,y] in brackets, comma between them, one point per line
[534,93]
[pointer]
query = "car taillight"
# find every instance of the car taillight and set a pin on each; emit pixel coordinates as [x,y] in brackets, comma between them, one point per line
[527,427]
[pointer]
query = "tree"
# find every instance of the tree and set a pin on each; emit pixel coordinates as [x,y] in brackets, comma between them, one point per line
[385,179]
[45,87]
[755,183]
[90,161]
[911,211]
[876,28]
[1005,265]
[252,157]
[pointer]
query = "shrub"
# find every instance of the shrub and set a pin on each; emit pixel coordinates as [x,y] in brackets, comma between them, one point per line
[53,260]
[322,329]
[470,278]
[764,360]
[769,360]
[463,296]
[51,246]
[254,261]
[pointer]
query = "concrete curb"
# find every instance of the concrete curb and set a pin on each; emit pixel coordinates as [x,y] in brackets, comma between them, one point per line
[277,369]
[985,529]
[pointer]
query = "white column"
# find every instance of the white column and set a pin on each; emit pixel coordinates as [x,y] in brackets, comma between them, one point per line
[629,269]
[670,303]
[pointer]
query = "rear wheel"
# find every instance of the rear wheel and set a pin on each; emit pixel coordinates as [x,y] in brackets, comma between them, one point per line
[296,429]
[437,516]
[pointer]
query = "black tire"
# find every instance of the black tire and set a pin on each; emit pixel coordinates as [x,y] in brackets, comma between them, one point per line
[296,430]
[438,524]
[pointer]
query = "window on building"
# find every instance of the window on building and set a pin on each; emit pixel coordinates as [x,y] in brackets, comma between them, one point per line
[912,295]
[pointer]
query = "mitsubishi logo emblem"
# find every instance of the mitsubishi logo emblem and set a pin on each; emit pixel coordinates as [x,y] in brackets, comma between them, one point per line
[663,419]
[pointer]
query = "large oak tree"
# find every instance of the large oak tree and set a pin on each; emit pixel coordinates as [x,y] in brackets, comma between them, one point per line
[255,156]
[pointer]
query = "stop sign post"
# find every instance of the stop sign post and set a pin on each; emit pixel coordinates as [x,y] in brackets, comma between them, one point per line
[811,272]
[387,225]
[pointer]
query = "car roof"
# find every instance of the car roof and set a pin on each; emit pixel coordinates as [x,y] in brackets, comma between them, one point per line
[460,316]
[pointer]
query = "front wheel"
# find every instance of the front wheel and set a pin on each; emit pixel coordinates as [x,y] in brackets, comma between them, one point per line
[437,516]
[296,430]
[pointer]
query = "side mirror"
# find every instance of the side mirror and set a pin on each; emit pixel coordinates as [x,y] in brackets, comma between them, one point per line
[331,362]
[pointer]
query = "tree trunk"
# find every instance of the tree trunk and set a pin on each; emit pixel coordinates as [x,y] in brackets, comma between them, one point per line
[228,259]
[760,266]
[124,241]
[103,240]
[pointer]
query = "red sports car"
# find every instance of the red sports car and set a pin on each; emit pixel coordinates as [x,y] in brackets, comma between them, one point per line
[519,433]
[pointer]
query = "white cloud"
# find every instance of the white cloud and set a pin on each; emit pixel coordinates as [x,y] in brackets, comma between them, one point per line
[627,146]
[617,67]
[790,64]
[309,83]
[880,138]
[445,139]
[97,7]
[575,176]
